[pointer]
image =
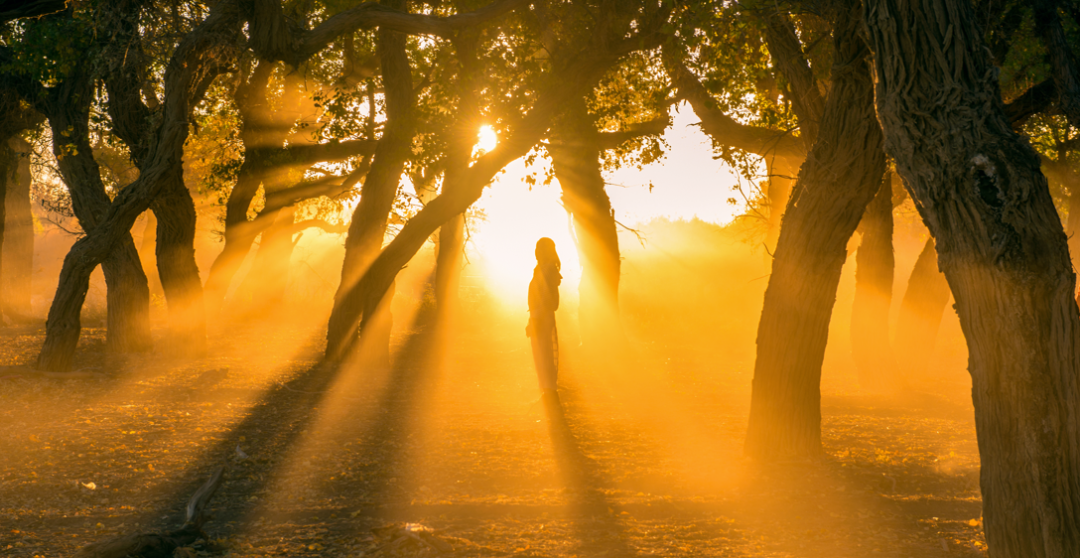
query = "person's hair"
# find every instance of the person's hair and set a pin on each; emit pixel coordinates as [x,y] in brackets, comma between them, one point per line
[545,252]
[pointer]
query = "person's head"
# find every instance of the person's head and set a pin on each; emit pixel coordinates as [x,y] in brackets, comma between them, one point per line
[546,254]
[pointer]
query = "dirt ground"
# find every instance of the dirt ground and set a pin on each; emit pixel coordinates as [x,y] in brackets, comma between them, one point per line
[642,456]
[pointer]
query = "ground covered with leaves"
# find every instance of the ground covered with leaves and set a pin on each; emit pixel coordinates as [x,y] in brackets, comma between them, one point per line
[448,452]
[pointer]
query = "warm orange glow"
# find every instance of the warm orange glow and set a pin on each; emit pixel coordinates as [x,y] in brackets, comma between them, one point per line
[486,139]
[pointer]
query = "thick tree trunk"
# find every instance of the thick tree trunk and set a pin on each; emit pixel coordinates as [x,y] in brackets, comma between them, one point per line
[128,296]
[201,55]
[837,181]
[18,241]
[575,157]
[979,188]
[176,265]
[870,344]
[368,227]
[925,300]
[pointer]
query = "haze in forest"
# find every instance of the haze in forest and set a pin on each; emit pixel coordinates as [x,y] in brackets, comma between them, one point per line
[539,278]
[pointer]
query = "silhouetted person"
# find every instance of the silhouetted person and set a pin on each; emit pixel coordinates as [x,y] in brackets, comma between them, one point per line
[543,302]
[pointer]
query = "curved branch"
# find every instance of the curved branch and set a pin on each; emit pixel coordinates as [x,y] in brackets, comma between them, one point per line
[723,129]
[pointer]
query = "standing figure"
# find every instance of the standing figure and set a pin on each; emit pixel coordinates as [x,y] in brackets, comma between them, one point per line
[543,302]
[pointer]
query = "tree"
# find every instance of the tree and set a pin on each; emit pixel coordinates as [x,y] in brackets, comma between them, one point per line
[1000,243]
[202,54]
[839,178]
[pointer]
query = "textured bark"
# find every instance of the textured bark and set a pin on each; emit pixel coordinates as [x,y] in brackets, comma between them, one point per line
[201,55]
[924,302]
[839,178]
[127,293]
[871,348]
[133,122]
[179,274]
[786,51]
[18,240]
[1000,243]
[575,157]
[368,227]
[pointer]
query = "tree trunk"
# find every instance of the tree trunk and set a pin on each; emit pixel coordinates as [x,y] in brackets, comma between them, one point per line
[18,241]
[451,245]
[870,344]
[201,55]
[837,181]
[575,157]
[9,174]
[1000,243]
[924,302]
[265,284]
[368,227]
[179,274]
[128,296]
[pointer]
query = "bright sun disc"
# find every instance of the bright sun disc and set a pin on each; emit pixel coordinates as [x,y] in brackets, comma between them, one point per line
[486,138]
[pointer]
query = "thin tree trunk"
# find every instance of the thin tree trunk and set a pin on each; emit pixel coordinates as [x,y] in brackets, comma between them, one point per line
[264,286]
[451,245]
[837,181]
[1000,243]
[176,265]
[18,242]
[9,174]
[871,347]
[368,227]
[924,302]
[575,157]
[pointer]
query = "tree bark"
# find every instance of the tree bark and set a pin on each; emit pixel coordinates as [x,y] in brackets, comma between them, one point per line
[368,227]
[179,274]
[780,181]
[837,181]
[1000,243]
[924,302]
[127,293]
[201,55]
[18,240]
[575,157]
[871,347]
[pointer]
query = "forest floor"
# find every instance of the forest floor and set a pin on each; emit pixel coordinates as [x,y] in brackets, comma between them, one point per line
[642,456]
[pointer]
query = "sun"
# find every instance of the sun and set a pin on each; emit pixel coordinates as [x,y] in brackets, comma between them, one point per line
[486,138]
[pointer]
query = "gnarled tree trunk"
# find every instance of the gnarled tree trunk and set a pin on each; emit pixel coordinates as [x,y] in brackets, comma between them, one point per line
[925,300]
[369,220]
[575,157]
[1000,243]
[179,274]
[871,347]
[837,181]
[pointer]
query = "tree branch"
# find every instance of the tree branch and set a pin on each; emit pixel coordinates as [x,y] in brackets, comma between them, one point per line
[723,129]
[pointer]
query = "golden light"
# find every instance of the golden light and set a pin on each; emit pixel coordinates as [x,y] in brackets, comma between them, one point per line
[486,138]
